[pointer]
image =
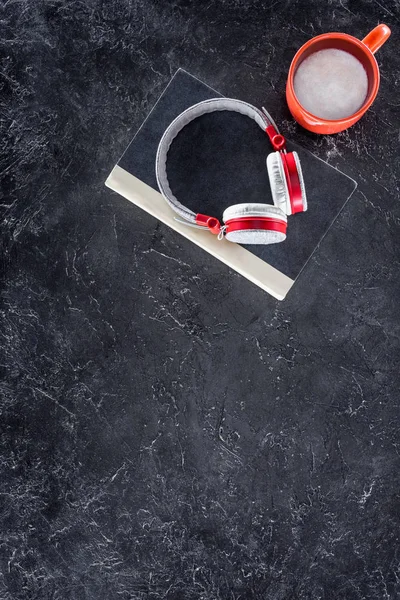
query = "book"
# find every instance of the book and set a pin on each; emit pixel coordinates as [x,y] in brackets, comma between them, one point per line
[219,160]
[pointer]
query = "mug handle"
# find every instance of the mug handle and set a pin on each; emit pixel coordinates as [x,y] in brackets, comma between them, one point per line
[377,37]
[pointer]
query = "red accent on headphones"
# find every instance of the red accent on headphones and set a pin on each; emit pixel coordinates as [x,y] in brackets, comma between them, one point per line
[293,182]
[266,223]
[277,140]
[211,222]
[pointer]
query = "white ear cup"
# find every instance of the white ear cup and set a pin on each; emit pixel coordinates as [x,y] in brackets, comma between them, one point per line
[268,227]
[277,181]
[250,210]
[279,185]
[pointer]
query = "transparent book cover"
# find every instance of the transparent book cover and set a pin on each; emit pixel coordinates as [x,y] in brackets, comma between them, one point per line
[220,159]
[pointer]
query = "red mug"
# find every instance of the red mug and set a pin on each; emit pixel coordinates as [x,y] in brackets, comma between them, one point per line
[362,50]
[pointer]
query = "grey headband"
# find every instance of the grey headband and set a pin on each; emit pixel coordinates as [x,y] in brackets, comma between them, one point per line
[262,119]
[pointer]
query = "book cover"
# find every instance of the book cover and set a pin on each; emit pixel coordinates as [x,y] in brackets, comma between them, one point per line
[220,160]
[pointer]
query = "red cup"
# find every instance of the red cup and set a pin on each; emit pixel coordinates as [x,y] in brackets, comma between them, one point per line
[362,50]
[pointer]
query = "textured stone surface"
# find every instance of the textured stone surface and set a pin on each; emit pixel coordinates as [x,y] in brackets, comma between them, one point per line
[167,429]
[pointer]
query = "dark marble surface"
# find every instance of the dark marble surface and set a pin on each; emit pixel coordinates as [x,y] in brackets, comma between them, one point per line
[167,429]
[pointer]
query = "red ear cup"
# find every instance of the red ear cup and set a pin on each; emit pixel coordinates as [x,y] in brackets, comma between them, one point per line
[287,183]
[295,182]
[255,224]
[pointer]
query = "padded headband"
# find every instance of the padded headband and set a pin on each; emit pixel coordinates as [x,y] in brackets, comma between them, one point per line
[263,120]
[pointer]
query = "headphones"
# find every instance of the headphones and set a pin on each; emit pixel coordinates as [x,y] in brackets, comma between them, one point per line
[242,223]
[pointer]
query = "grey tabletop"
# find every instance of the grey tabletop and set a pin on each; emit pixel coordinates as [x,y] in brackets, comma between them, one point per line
[167,429]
